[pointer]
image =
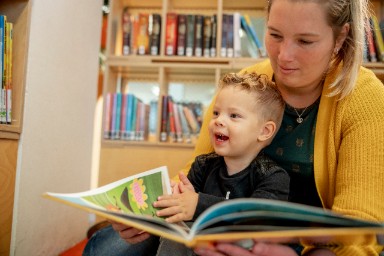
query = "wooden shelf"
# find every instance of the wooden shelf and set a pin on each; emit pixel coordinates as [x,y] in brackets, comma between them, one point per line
[17,12]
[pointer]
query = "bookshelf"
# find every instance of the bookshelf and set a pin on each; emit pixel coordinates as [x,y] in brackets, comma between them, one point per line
[17,12]
[119,155]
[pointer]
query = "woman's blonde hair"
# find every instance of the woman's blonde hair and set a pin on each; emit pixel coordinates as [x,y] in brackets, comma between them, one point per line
[350,55]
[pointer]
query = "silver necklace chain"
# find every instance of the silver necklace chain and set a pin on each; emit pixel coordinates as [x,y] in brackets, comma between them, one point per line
[299,119]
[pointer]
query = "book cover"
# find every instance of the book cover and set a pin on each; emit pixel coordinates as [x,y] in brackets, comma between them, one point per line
[143,34]
[190,36]
[199,35]
[181,34]
[171,34]
[207,36]
[129,201]
[155,33]
[212,51]
[126,28]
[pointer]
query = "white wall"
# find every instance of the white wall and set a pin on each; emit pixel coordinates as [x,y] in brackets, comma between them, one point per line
[55,149]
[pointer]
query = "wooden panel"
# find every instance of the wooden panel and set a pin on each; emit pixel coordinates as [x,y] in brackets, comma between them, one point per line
[8,156]
[119,162]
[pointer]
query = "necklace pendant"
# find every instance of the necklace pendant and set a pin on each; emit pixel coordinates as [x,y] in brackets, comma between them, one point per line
[299,120]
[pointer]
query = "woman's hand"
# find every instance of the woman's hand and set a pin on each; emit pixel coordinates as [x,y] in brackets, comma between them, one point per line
[129,234]
[258,249]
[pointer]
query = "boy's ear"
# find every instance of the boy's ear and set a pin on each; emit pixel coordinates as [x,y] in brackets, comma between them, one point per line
[268,131]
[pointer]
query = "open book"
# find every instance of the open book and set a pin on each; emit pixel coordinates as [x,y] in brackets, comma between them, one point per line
[129,201]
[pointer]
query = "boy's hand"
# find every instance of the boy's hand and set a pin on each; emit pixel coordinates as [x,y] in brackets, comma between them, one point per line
[179,206]
[187,184]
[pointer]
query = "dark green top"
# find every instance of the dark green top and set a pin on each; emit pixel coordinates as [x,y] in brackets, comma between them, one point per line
[293,148]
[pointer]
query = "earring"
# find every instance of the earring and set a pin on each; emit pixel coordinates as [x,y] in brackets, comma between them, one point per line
[336,51]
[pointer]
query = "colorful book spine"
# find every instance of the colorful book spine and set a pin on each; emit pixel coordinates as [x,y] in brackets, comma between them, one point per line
[132,129]
[134,34]
[190,42]
[224,29]
[128,119]
[2,64]
[236,35]
[184,124]
[143,34]
[164,118]
[199,35]
[155,34]
[152,119]
[107,115]
[127,31]
[207,36]
[378,38]
[230,35]
[123,118]
[178,129]
[212,51]
[181,34]
[171,116]
[171,34]
[9,74]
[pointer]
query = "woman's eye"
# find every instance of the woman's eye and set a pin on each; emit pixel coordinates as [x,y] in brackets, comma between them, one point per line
[276,36]
[305,42]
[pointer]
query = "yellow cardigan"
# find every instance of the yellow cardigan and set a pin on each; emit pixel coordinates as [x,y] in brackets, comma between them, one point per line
[349,147]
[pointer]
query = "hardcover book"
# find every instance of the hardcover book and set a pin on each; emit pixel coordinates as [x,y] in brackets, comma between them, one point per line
[199,35]
[143,34]
[207,36]
[181,34]
[127,31]
[171,34]
[130,201]
[155,34]
[190,44]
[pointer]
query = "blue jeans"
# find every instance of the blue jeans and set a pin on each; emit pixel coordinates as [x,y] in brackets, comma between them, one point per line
[107,242]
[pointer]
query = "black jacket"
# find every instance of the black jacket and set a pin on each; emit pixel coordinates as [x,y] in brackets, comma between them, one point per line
[263,178]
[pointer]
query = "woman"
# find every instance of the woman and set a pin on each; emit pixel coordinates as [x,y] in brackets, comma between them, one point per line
[315,50]
[331,140]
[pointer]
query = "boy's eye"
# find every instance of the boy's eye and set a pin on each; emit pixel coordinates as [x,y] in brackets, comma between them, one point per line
[215,113]
[234,116]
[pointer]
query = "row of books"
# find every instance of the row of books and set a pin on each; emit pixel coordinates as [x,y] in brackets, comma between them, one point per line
[128,118]
[374,47]
[6,42]
[193,35]
[180,121]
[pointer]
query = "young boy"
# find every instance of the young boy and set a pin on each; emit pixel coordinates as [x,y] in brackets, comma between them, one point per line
[246,116]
